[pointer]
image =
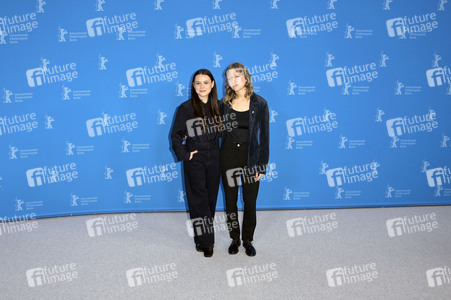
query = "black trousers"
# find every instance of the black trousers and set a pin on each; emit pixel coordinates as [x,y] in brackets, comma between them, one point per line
[233,158]
[202,176]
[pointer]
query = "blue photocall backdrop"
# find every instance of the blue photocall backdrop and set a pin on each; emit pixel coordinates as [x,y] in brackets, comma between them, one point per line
[359,95]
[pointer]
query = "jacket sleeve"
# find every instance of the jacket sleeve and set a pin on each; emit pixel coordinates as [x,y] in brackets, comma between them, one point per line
[264,137]
[178,135]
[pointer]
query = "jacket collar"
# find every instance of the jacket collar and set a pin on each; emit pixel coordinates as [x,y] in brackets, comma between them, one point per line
[252,108]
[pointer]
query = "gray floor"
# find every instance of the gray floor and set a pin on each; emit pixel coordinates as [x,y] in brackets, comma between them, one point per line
[292,262]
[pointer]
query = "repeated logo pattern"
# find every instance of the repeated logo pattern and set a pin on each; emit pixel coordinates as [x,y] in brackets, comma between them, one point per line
[88,95]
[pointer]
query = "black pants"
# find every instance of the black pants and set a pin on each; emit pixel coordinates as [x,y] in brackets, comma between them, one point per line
[234,157]
[202,176]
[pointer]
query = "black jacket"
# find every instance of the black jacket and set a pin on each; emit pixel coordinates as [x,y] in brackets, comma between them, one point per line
[258,147]
[182,143]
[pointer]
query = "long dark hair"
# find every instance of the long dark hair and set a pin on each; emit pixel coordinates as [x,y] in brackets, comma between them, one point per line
[212,97]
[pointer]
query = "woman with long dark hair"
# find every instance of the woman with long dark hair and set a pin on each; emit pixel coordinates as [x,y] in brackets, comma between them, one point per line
[195,136]
[244,153]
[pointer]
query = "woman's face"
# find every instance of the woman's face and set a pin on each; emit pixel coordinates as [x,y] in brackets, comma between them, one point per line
[203,85]
[236,80]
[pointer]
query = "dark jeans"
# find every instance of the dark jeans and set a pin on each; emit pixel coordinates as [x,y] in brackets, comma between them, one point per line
[233,157]
[202,176]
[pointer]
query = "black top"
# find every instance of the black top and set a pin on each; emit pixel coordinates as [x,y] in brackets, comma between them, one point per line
[239,133]
[258,144]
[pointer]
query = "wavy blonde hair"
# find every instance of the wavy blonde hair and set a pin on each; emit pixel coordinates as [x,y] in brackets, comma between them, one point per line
[230,93]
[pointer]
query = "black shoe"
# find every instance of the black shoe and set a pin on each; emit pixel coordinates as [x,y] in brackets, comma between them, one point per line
[208,252]
[233,248]
[250,250]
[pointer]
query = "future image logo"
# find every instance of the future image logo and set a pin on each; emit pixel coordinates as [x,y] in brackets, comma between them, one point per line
[46,74]
[337,177]
[95,27]
[51,275]
[351,275]
[207,125]
[310,225]
[200,226]
[335,77]
[312,124]
[414,25]
[162,173]
[18,224]
[135,77]
[438,76]
[160,72]
[135,177]
[240,176]
[117,24]
[234,176]
[35,177]
[210,25]
[19,25]
[35,77]
[343,76]
[305,26]
[151,275]
[395,27]
[111,124]
[94,127]
[195,27]
[411,125]
[49,175]
[438,176]
[411,225]
[110,225]
[195,127]
[18,123]
[438,276]
[248,275]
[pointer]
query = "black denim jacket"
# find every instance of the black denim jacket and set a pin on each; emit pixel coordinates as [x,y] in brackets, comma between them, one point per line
[258,147]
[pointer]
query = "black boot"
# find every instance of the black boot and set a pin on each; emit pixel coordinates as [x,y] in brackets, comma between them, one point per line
[208,252]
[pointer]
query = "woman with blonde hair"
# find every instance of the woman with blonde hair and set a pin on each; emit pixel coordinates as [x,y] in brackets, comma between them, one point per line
[244,152]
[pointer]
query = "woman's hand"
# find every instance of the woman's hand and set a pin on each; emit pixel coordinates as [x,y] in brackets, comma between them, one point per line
[258,176]
[192,154]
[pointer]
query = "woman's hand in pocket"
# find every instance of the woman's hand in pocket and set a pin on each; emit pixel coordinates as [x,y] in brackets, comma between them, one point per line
[192,154]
